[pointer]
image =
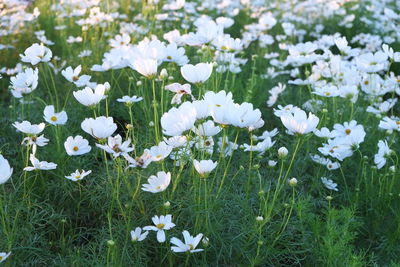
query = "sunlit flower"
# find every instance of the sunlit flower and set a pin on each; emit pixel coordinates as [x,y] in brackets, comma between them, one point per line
[77,145]
[198,73]
[129,100]
[36,53]
[54,118]
[72,75]
[28,128]
[190,244]
[178,120]
[24,82]
[159,152]
[39,165]
[116,147]
[90,97]
[146,66]
[161,223]
[383,152]
[137,235]
[100,128]
[5,171]
[4,256]
[298,123]
[157,183]
[204,167]
[78,175]
[329,184]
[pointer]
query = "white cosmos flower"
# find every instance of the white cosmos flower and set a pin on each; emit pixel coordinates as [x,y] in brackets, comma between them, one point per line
[176,141]
[36,53]
[54,118]
[77,145]
[5,170]
[90,97]
[383,152]
[129,99]
[137,235]
[100,128]
[392,123]
[204,167]
[261,147]
[72,75]
[116,147]
[24,82]
[78,175]
[190,244]
[179,90]
[329,184]
[159,152]
[161,223]
[35,141]
[146,66]
[198,73]
[4,256]
[39,165]
[157,183]
[207,128]
[178,120]
[244,116]
[299,123]
[28,128]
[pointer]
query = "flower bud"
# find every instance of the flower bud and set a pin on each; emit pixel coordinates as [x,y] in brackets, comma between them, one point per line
[167,204]
[259,218]
[329,198]
[293,182]
[110,243]
[282,152]
[163,74]
[205,241]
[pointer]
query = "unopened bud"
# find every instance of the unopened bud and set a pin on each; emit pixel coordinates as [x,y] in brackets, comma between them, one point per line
[282,152]
[293,182]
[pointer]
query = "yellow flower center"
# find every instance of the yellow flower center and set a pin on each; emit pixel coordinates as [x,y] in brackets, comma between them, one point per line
[160,226]
[75,78]
[78,177]
[53,118]
[159,156]
[347,131]
[327,93]
[75,148]
[169,57]
[398,123]
[191,247]
[366,82]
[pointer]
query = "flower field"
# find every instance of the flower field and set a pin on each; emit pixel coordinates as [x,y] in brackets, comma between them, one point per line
[199,133]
